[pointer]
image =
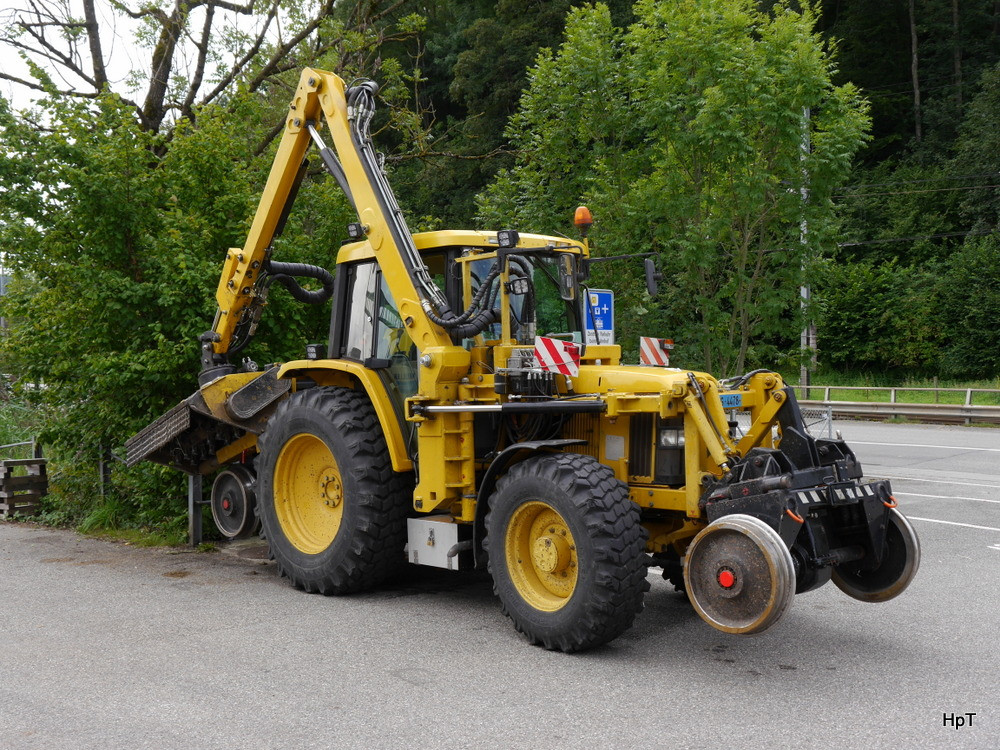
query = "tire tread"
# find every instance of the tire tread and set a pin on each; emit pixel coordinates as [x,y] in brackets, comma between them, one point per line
[620,564]
[375,551]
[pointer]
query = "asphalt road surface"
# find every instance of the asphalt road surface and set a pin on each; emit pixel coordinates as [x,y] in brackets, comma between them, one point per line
[106,646]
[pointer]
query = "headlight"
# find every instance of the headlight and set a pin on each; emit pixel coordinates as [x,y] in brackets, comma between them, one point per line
[671,437]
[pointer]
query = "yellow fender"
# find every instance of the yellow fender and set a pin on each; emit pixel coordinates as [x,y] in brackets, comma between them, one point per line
[347,374]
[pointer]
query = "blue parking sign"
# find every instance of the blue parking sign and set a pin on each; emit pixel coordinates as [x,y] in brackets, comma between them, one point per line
[600,316]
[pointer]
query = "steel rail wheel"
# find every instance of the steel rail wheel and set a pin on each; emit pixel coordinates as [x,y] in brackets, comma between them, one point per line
[331,508]
[234,502]
[739,575]
[899,565]
[566,551]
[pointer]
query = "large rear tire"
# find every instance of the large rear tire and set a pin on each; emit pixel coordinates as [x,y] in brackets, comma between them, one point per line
[331,508]
[893,575]
[566,551]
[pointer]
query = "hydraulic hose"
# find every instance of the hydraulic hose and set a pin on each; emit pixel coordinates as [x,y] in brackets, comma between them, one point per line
[284,274]
[478,316]
[475,306]
[739,380]
[477,325]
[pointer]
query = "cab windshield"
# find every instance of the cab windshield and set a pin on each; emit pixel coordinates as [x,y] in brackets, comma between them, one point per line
[543,295]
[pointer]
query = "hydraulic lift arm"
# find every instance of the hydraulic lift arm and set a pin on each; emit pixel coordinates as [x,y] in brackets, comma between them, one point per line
[352,160]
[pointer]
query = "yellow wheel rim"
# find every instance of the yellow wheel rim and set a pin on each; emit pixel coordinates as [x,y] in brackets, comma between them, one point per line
[541,556]
[308,493]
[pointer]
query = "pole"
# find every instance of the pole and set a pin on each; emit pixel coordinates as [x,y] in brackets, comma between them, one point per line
[194,509]
[807,340]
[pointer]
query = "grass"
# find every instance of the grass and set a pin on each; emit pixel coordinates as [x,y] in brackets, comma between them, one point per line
[139,537]
[842,389]
[16,426]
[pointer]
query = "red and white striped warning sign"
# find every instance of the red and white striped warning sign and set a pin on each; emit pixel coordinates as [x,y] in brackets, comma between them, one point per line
[557,355]
[654,351]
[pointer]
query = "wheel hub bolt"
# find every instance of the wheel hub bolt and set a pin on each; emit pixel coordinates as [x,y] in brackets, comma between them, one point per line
[331,490]
[550,554]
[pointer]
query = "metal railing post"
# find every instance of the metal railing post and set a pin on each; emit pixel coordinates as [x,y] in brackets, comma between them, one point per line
[966,411]
[194,509]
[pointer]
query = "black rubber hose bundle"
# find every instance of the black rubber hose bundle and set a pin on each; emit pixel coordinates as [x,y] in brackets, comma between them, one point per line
[284,274]
[476,317]
[479,323]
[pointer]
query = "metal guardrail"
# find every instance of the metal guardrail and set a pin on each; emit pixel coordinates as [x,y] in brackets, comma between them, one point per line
[35,452]
[966,412]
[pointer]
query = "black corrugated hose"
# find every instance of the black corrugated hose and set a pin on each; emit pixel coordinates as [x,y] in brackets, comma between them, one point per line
[284,274]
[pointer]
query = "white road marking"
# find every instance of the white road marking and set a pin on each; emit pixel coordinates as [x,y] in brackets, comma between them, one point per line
[952,523]
[925,445]
[938,481]
[946,497]
[994,546]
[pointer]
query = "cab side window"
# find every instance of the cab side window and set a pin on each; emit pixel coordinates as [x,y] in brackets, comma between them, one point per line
[394,347]
[391,336]
[362,295]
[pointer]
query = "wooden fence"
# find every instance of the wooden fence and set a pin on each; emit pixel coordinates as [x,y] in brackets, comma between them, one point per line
[23,482]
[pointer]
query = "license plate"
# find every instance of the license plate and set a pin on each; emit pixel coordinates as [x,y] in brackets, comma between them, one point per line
[731,400]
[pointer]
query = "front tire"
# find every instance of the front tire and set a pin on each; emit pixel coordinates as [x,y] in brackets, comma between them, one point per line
[331,508]
[566,551]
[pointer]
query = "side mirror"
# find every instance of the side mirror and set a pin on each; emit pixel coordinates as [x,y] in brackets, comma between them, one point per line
[652,276]
[567,277]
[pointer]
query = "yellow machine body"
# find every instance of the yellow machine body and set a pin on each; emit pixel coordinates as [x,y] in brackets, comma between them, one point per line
[447,425]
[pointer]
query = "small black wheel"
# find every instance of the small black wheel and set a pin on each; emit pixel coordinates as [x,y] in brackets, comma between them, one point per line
[331,508]
[899,564]
[739,575]
[808,578]
[234,502]
[566,551]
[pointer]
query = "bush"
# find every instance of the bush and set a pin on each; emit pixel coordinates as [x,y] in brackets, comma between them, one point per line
[969,303]
[877,316]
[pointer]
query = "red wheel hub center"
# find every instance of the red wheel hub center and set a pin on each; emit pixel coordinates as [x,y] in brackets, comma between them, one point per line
[726,579]
[225,504]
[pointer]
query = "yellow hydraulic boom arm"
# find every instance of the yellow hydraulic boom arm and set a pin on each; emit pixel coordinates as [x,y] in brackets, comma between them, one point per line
[352,161]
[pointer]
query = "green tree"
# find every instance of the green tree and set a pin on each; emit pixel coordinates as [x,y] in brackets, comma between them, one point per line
[907,290]
[955,42]
[685,134]
[115,231]
[197,53]
[474,64]
[969,304]
[878,316]
[978,152]
[903,209]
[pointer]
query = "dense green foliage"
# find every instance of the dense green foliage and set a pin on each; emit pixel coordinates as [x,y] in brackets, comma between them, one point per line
[680,122]
[115,233]
[684,133]
[923,201]
[116,265]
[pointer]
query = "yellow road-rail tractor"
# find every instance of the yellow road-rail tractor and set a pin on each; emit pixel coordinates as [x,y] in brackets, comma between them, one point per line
[459,418]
